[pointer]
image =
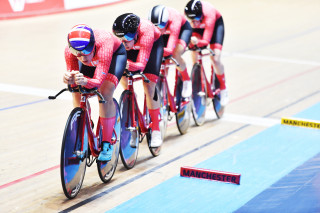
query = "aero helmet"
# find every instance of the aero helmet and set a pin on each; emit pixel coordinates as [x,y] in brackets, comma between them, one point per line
[126,25]
[193,10]
[81,40]
[159,16]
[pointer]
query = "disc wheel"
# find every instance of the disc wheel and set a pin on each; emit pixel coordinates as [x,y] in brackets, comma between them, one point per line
[127,152]
[73,155]
[199,97]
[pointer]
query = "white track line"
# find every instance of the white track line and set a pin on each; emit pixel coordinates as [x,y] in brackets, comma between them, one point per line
[210,114]
[244,119]
[32,91]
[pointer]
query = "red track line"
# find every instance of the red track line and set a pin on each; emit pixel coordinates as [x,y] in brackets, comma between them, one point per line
[274,84]
[232,101]
[28,177]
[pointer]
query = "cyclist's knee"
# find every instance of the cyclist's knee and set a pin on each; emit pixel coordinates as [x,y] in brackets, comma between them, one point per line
[107,90]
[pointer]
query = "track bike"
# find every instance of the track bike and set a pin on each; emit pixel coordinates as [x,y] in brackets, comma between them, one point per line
[81,146]
[204,89]
[173,103]
[135,124]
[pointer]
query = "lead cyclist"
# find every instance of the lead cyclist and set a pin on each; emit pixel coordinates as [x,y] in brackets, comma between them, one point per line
[96,59]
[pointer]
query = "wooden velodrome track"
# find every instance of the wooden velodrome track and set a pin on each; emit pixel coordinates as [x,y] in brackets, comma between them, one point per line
[272,63]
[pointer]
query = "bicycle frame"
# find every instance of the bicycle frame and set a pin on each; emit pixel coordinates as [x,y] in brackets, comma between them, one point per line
[86,120]
[144,126]
[163,78]
[92,138]
[210,93]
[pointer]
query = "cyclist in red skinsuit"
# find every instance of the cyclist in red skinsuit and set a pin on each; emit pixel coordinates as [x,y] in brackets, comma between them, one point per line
[176,31]
[96,59]
[144,45]
[208,29]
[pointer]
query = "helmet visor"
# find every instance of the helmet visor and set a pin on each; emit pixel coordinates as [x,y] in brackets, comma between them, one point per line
[129,36]
[198,17]
[86,51]
[162,25]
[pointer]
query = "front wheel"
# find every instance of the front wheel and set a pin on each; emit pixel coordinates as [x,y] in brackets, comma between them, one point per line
[106,170]
[199,96]
[73,154]
[129,135]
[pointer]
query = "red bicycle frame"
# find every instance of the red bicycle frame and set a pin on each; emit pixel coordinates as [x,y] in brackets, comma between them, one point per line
[209,91]
[171,98]
[141,116]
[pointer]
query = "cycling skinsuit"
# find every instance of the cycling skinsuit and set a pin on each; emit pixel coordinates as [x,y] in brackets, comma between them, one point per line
[147,51]
[178,30]
[108,62]
[211,30]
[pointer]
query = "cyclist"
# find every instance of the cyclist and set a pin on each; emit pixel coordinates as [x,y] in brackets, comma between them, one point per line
[96,59]
[144,45]
[176,31]
[208,28]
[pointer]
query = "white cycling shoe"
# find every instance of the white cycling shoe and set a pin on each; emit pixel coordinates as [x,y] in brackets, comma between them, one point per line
[224,98]
[156,139]
[186,89]
[134,141]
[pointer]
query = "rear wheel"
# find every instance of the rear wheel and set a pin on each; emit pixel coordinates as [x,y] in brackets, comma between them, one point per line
[183,113]
[128,136]
[106,170]
[199,97]
[73,154]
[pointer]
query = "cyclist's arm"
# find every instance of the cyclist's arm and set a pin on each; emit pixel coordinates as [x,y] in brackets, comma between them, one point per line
[105,57]
[146,41]
[208,31]
[71,63]
[174,28]
[71,60]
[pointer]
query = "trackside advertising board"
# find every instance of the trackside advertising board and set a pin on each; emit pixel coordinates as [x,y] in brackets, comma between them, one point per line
[10,9]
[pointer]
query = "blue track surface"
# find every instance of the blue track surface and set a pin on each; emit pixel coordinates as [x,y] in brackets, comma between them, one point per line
[262,161]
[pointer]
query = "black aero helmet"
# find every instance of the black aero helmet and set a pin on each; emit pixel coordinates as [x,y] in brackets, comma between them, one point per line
[126,25]
[193,9]
[159,16]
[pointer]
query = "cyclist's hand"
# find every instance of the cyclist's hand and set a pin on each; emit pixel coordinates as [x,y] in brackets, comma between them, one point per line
[80,79]
[68,77]
[194,40]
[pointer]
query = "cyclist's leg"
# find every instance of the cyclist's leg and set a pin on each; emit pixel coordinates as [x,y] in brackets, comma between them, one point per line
[216,45]
[152,70]
[184,39]
[76,99]
[107,111]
